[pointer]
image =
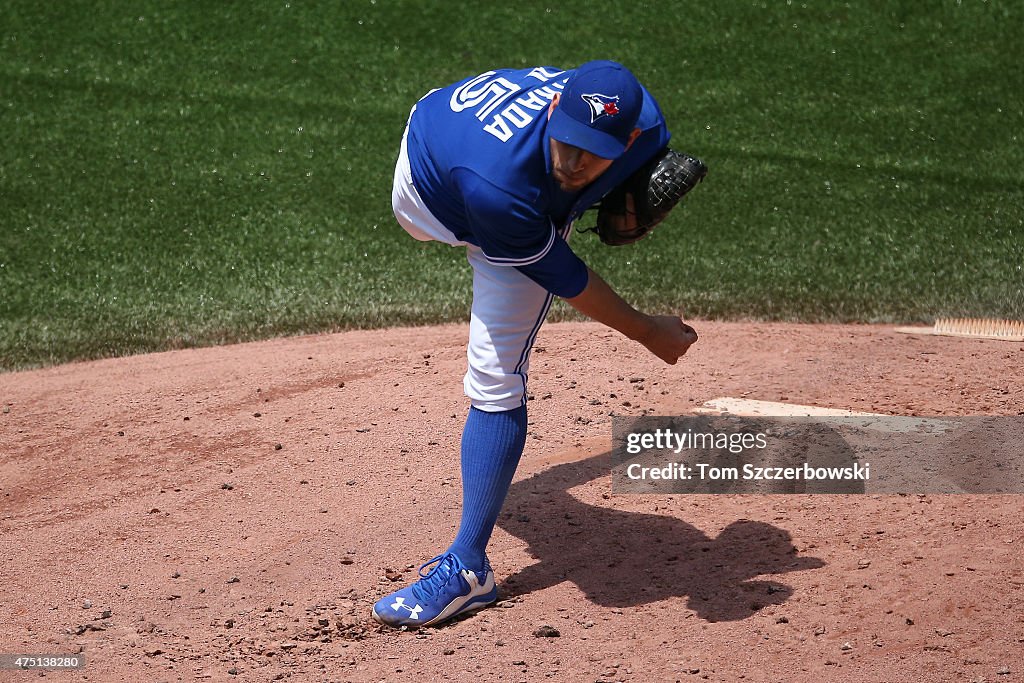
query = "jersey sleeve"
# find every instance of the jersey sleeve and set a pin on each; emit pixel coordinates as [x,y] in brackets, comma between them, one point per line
[561,271]
[511,232]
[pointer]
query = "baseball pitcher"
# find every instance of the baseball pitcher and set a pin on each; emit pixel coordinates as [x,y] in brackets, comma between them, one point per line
[503,164]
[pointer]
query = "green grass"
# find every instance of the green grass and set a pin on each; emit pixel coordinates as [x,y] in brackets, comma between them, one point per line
[180,174]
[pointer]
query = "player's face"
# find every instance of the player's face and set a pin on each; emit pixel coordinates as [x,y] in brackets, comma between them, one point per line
[574,168]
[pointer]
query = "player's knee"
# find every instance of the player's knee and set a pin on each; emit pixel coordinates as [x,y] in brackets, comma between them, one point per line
[495,392]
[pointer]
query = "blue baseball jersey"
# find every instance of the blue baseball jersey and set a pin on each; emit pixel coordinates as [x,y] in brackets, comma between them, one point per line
[481,161]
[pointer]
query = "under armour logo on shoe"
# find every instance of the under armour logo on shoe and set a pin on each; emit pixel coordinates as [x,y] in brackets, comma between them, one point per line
[414,612]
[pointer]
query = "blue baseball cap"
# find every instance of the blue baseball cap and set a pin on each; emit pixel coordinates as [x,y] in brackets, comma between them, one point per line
[598,109]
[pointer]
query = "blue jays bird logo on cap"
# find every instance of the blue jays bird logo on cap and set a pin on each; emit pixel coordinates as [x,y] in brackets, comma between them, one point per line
[601,105]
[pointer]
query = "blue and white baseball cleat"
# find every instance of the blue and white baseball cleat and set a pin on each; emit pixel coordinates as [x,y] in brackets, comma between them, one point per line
[449,589]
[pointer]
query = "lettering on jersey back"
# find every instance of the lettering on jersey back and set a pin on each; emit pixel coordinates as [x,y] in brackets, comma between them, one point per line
[488,91]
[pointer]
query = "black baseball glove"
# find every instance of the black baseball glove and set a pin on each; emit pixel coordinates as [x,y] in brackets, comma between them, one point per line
[640,202]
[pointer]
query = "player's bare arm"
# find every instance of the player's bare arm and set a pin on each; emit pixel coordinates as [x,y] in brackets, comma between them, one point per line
[666,336]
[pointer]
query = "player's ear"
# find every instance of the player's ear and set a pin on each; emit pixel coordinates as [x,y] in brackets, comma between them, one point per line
[632,136]
[554,103]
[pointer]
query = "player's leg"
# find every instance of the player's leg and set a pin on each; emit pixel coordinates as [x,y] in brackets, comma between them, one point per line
[508,310]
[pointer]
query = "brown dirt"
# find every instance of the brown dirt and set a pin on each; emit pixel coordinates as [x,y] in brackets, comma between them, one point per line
[149,520]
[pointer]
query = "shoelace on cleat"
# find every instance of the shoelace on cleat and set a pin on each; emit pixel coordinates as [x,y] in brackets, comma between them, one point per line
[431,583]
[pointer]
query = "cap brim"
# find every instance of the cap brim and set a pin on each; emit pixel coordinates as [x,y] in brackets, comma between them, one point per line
[564,128]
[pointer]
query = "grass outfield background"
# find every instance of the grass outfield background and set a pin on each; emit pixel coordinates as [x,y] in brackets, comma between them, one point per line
[188,173]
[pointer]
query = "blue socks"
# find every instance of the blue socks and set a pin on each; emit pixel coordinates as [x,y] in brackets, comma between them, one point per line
[492,444]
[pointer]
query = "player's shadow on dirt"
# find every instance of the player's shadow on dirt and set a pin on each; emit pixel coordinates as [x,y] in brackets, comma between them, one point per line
[624,559]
